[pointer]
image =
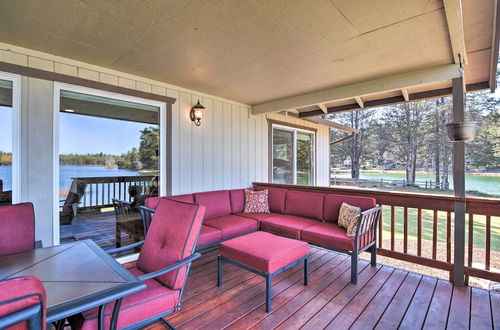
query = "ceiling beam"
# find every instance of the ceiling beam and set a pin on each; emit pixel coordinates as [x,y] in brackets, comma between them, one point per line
[389,83]
[323,107]
[359,101]
[454,18]
[404,91]
[393,100]
[342,139]
[329,123]
[495,44]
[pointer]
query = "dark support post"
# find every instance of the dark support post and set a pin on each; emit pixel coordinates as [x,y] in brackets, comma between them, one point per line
[268,293]
[459,184]
[306,271]
[354,267]
[219,271]
[373,251]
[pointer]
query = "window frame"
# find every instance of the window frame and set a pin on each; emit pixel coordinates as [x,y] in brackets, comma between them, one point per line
[16,133]
[292,128]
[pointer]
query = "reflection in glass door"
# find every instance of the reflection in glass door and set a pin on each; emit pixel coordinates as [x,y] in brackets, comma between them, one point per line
[109,163]
[6,141]
[283,161]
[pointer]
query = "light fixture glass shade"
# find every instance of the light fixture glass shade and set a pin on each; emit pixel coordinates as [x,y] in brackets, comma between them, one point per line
[197,113]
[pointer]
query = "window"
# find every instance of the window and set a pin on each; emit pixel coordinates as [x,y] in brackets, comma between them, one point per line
[9,142]
[110,160]
[292,155]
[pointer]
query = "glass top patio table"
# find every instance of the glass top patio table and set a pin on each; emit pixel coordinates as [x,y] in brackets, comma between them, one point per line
[77,276]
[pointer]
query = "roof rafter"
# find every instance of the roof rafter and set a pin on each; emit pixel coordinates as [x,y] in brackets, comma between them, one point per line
[454,18]
[323,107]
[359,101]
[394,82]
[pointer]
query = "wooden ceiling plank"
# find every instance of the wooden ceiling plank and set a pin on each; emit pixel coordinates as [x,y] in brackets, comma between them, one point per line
[332,124]
[394,82]
[454,18]
[359,101]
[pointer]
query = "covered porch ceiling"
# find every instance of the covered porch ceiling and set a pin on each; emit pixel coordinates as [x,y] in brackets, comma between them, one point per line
[307,57]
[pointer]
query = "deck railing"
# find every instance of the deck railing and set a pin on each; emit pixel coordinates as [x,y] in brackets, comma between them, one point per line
[418,228]
[100,191]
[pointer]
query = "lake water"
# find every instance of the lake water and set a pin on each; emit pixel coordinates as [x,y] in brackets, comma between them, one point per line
[68,172]
[484,184]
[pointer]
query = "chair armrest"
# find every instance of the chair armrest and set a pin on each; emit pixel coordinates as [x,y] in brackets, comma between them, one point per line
[38,244]
[169,268]
[122,201]
[367,222]
[125,248]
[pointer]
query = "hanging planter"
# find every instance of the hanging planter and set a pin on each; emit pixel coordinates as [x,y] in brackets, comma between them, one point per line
[462,132]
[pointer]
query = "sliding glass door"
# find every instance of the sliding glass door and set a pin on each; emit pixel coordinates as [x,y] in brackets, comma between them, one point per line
[9,141]
[110,161]
[292,156]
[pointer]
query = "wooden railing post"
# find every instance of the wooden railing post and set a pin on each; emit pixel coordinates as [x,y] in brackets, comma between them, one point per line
[459,184]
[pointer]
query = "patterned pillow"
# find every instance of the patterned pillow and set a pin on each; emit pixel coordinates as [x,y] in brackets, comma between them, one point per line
[256,201]
[348,218]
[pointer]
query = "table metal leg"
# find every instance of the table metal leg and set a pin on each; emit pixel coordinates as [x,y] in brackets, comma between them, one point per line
[306,271]
[268,293]
[219,271]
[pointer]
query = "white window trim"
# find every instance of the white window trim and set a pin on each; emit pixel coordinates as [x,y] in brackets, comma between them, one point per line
[294,130]
[16,134]
[85,90]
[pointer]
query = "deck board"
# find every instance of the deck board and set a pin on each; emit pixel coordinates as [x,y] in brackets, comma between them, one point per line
[384,298]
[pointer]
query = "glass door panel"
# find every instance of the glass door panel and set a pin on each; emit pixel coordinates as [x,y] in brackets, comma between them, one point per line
[283,156]
[6,123]
[305,158]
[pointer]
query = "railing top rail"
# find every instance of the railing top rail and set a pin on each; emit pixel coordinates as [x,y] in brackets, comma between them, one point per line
[476,205]
[112,179]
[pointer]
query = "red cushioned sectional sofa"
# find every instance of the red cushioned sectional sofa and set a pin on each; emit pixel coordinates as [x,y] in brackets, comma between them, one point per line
[308,216]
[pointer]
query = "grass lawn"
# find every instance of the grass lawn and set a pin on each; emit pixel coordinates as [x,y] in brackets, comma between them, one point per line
[427,221]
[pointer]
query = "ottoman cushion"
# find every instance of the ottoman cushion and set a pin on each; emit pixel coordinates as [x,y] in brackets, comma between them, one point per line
[264,251]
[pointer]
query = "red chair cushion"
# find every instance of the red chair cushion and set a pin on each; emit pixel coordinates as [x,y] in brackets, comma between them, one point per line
[257,216]
[217,203]
[304,204]
[276,199]
[154,300]
[171,238]
[20,293]
[232,225]
[286,225]
[263,251]
[152,202]
[328,234]
[333,202]
[17,233]
[237,200]
[209,235]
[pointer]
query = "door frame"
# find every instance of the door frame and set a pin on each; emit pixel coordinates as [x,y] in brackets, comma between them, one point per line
[58,86]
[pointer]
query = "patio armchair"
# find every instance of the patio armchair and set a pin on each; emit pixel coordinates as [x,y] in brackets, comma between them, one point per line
[163,265]
[17,234]
[128,220]
[22,303]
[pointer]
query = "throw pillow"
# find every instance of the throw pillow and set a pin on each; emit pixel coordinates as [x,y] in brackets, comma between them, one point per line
[348,218]
[256,201]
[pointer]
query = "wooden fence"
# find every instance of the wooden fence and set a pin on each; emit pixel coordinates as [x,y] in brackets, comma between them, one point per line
[427,184]
[396,206]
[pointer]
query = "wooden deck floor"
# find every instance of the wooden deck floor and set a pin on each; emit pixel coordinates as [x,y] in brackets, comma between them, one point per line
[384,298]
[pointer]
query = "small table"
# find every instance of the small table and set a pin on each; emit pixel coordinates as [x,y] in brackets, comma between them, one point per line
[264,254]
[76,276]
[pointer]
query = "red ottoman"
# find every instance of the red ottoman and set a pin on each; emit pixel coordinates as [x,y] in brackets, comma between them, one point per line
[264,254]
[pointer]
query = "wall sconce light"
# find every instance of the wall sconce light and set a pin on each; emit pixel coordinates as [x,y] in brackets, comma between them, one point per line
[197,113]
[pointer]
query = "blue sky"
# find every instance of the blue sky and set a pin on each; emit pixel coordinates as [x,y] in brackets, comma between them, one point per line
[83,134]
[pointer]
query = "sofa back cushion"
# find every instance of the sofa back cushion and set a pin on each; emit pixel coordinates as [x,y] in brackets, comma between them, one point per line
[152,202]
[217,203]
[276,199]
[237,200]
[171,238]
[304,204]
[334,201]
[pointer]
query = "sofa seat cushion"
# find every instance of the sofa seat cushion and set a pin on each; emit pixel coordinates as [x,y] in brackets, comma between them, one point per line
[328,234]
[154,300]
[209,235]
[217,203]
[257,216]
[232,225]
[263,251]
[286,225]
